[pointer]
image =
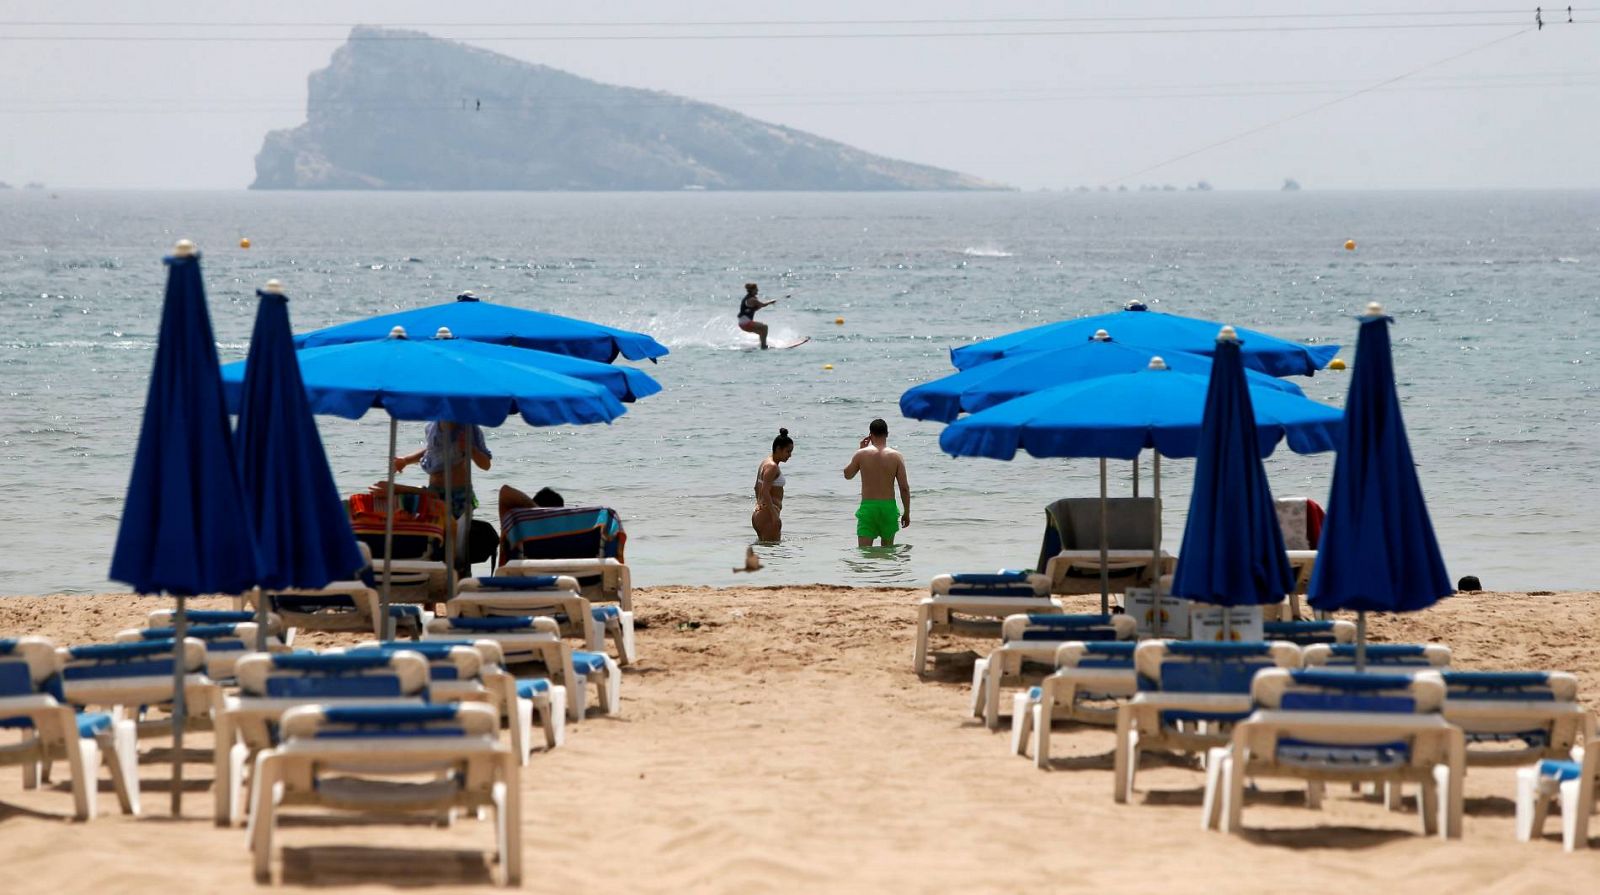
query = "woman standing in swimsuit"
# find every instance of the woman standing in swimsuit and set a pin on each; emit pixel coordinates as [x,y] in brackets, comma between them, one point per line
[748,306]
[767,518]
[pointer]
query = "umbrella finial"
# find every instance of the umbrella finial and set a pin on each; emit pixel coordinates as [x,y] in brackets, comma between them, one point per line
[467,295]
[398,332]
[444,333]
[1135,304]
[273,287]
[1156,363]
[1228,334]
[1101,335]
[1374,309]
[184,248]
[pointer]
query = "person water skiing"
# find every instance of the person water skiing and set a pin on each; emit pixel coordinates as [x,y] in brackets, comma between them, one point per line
[748,306]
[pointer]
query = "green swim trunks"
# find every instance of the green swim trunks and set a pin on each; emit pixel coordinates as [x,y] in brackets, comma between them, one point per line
[877,519]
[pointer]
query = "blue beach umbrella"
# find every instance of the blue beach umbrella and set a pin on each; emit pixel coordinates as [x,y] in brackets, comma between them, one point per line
[1232,552]
[1378,552]
[1152,329]
[1118,416]
[626,384]
[480,321]
[436,379]
[301,526]
[984,386]
[185,527]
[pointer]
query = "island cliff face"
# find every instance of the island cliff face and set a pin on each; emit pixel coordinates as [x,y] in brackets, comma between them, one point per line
[398,110]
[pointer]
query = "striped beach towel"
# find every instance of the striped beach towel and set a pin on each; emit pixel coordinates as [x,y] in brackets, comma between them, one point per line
[562,533]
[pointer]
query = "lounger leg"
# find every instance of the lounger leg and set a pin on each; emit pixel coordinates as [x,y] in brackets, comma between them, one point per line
[120,746]
[519,717]
[980,681]
[1211,804]
[83,762]
[1233,779]
[1574,815]
[1315,790]
[1428,803]
[1532,805]
[509,818]
[1125,757]
[613,687]
[919,657]
[991,695]
[577,696]
[1021,722]
[1453,796]
[1393,795]
[263,815]
[555,717]
[625,644]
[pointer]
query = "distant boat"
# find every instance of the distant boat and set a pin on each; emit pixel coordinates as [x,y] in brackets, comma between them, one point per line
[693,186]
[1290,185]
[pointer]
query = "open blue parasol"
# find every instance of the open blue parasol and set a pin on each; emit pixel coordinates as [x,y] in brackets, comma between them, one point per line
[1232,552]
[1378,552]
[481,321]
[184,530]
[301,525]
[984,386]
[1152,329]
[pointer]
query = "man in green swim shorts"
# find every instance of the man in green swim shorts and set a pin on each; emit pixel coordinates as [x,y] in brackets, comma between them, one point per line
[882,468]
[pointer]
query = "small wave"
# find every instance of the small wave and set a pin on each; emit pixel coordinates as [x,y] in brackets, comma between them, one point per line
[1565,260]
[986,252]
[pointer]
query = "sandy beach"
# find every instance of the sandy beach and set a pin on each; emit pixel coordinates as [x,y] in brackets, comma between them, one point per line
[775,739]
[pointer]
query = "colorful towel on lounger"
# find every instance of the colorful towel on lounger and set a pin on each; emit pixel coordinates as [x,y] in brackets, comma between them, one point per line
[562,533]
[418,520]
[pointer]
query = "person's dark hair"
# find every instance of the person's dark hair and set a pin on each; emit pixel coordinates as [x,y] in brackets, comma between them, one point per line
[749,288]
[879,428]
[548,497]
[782,441]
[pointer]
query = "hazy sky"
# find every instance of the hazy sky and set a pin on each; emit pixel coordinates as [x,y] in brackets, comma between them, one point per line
[1038,111]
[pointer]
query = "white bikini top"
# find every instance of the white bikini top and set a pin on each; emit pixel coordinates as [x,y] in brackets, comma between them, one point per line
[776,483]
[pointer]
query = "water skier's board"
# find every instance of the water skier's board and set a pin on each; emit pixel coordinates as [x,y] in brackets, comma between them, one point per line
[776,346]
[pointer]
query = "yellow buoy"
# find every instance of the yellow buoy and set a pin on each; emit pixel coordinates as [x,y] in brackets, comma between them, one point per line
[827,366]
[244,242]
[1349,245]
[1336,364]
[838,321]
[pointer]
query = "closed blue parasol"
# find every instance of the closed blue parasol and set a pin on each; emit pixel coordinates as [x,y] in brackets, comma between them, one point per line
[480,321]
[1152,329]
[301,525]
[1119,416]
[1232,552]
[1378,552]
[998,381]
[183,528]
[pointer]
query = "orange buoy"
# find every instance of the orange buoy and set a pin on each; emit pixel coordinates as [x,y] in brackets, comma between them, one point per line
[244,242]
[1349,245]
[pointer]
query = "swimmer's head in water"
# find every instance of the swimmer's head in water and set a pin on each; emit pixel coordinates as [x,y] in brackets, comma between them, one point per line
[879,429]
[548,497]
[751,288]
[782,446]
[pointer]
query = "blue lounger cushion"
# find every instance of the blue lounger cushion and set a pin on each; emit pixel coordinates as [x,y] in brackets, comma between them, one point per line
[587,663]
[117,652]
[219,616]
[497,623]
[518,582]
[1305,753]
[1560,770]
[1005,576]
[529,688]
[1521,686]
[339,663]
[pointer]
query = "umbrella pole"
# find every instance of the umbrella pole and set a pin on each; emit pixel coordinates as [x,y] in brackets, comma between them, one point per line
[1135,476]
[388,534]
[1105,572]
[1361,640]
[1155,552]
[449,515]
[180,628]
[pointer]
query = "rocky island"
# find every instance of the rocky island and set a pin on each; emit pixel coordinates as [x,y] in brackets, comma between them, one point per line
[399,110]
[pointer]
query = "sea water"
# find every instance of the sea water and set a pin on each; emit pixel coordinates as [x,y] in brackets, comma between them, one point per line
[1494,296]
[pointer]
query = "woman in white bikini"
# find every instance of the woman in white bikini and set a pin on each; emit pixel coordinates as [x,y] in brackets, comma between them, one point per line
[767,519]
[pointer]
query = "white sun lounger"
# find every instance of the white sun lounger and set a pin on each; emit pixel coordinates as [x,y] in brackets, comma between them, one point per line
[133,678]
[51,730]
[1034,639]
[1569,785]
[225,643]
[165,618]
[1333,726]
[1513,717]
[1390,658]
[976,604]
[1191,694]
[340,606]
[530,639]
[551,596]
[522,704]
[1085,672]
[354,758]
[612,582]
[271,685]
[1078,571]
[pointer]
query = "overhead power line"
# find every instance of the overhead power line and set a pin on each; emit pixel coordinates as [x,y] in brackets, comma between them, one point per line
[1320,106]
